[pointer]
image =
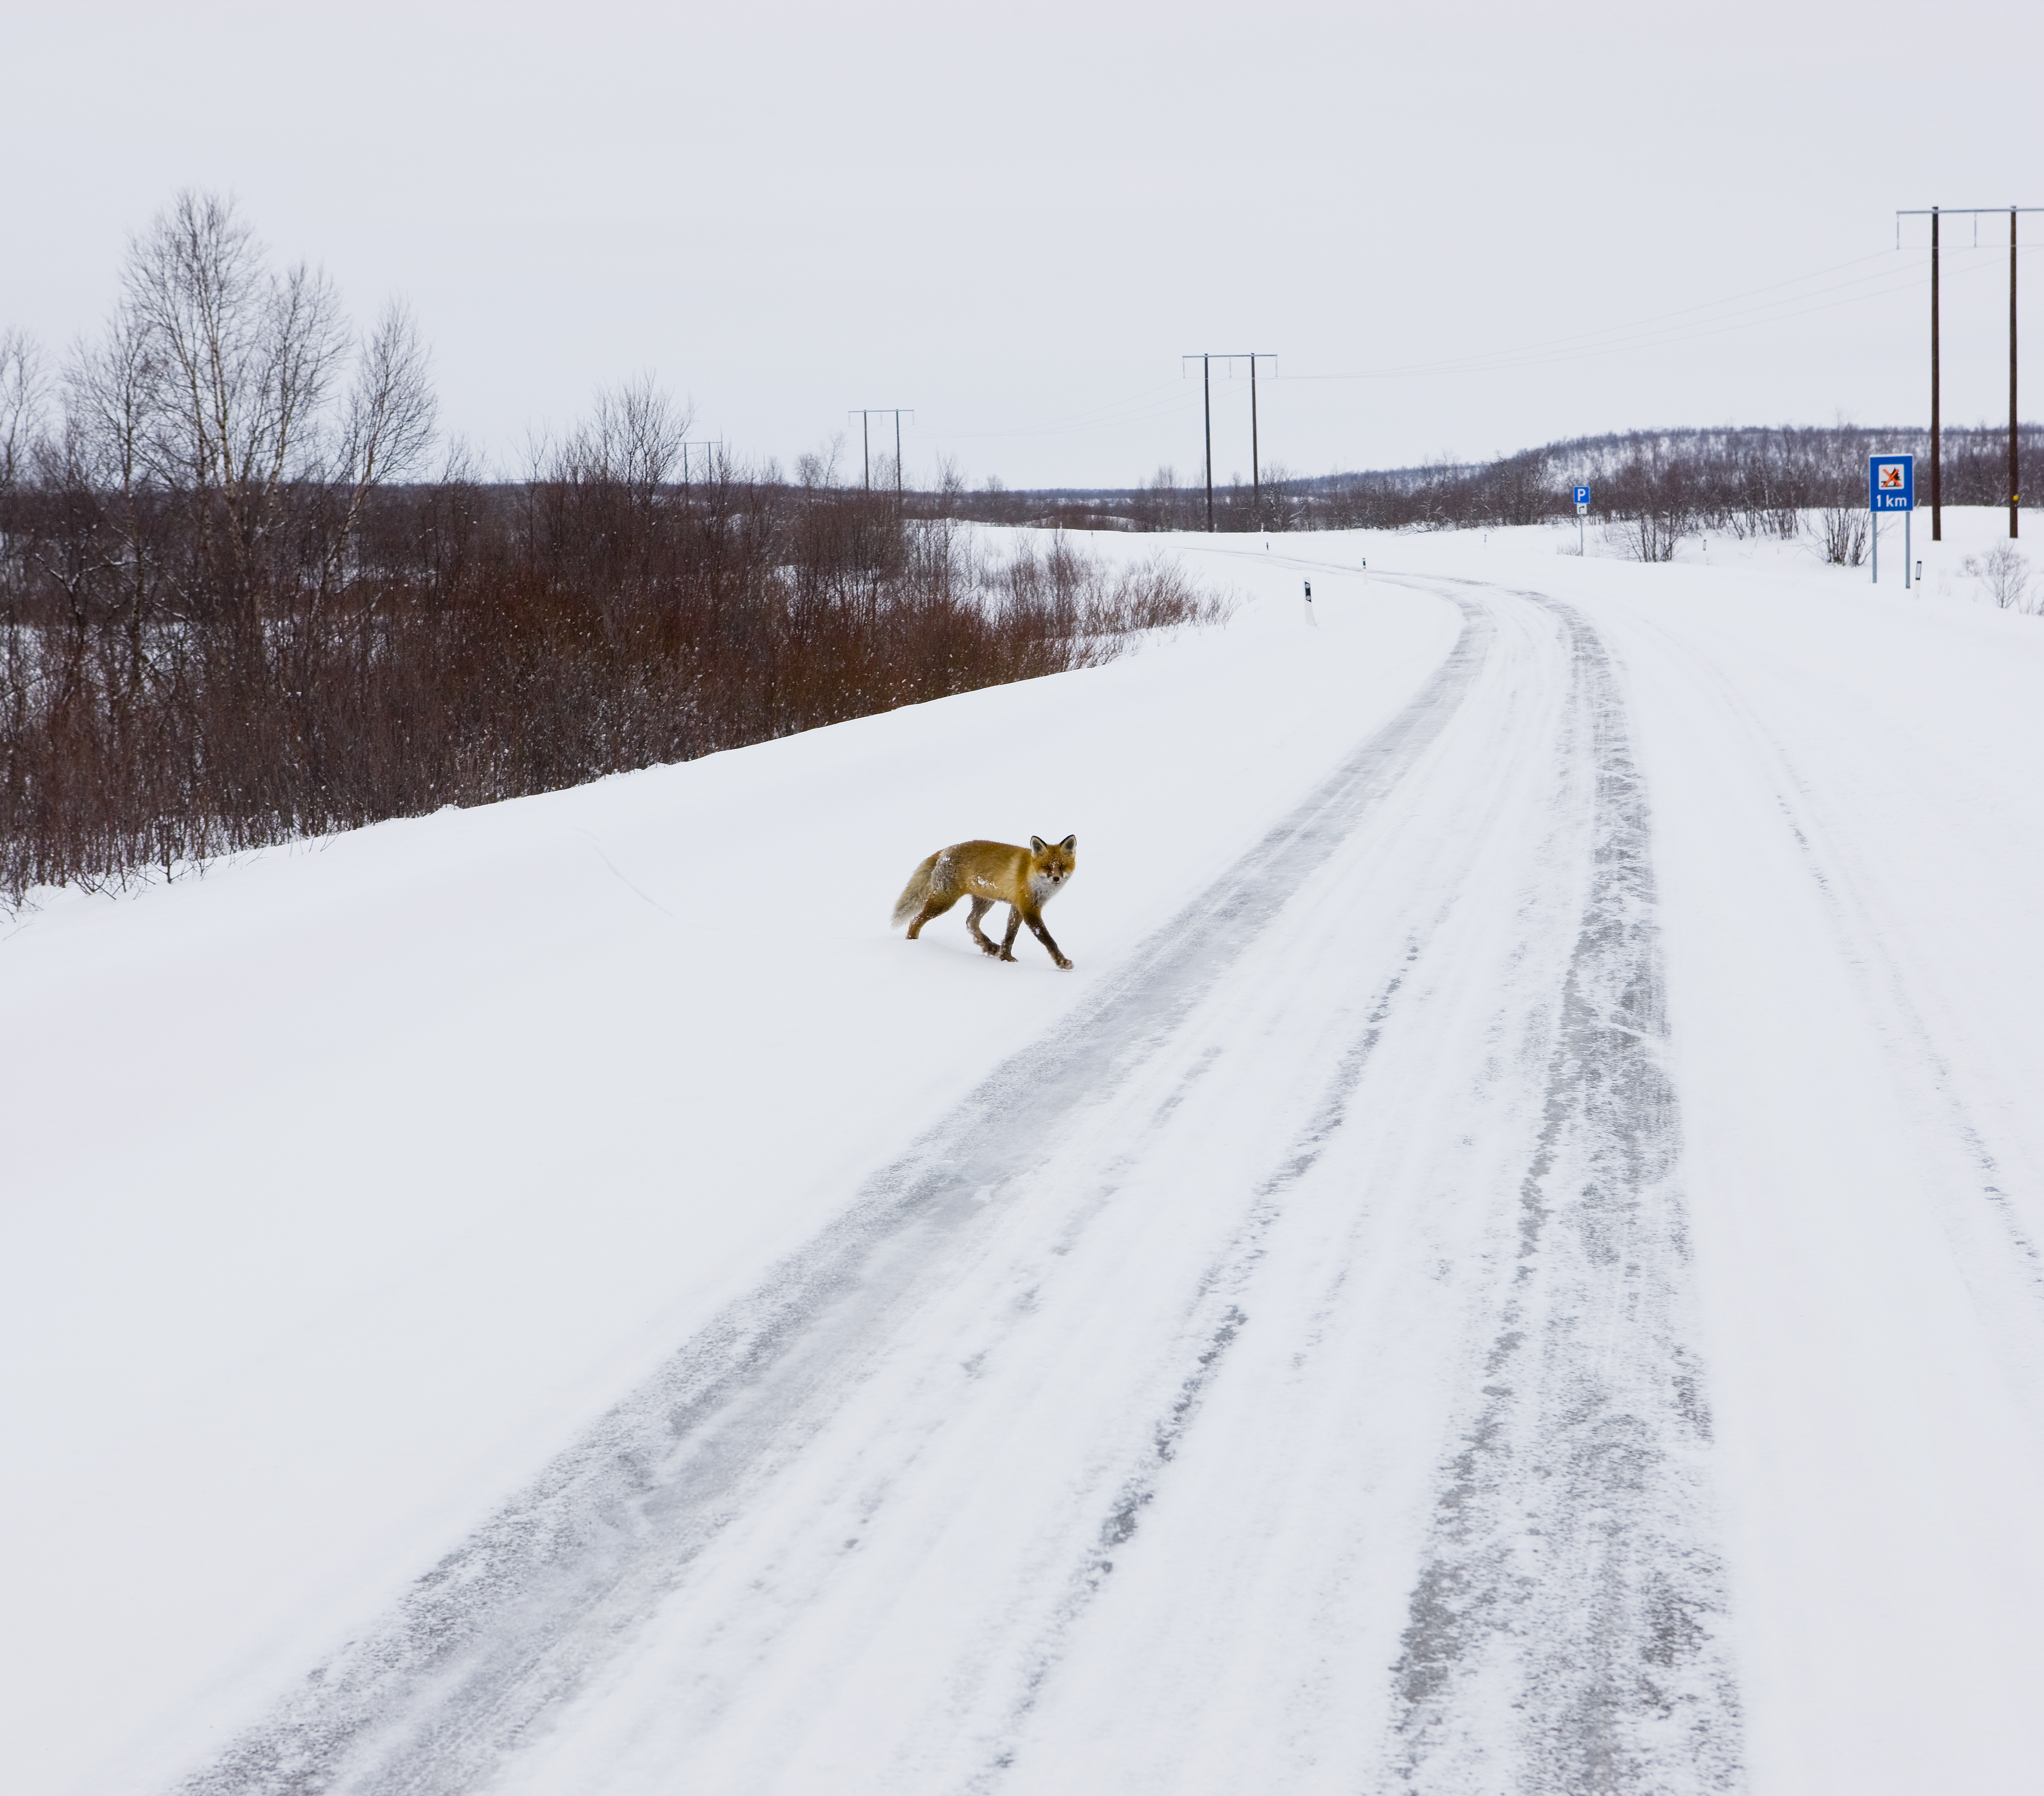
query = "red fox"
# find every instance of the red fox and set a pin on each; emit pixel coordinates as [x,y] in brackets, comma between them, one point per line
[990,874]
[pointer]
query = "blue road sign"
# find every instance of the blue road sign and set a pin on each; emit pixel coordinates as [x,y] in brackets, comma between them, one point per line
[1582,495]
[1890,483]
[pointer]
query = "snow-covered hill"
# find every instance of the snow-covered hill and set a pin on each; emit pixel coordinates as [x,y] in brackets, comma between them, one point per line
[1512,1261]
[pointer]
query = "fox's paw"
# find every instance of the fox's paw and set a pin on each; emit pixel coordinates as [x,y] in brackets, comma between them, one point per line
[993,949]
[1064,965]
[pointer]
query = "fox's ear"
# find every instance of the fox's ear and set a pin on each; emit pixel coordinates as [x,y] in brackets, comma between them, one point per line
[1070,845]
[1037,844]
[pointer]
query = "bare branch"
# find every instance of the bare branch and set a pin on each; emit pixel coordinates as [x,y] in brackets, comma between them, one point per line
[391,409]
[110,389]
[22,389]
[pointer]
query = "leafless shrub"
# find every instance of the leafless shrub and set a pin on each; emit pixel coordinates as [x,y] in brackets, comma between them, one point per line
[1651,533]
[1845,534]
[1154,595]
[476,642]
[1750,523]
[2004,575]
[1073,598]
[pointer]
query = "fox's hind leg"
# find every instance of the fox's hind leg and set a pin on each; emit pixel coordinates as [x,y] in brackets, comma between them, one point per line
[932,907]
[1007,941]
[980,907]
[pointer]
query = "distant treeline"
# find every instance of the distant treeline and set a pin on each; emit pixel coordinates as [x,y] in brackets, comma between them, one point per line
[232,613]
[1747,480]
[237,606]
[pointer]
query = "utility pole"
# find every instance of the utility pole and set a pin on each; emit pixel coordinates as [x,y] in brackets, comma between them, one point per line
[1206,359]
[705,447]
[1937,460]
[1255,466]
[865,440]
[1206,394]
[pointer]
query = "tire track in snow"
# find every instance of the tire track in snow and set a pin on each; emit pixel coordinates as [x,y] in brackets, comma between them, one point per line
[1215,1318]
[1998,1257]
[1217,1321]
[1844,889]
[1563,1632]
[435,1696]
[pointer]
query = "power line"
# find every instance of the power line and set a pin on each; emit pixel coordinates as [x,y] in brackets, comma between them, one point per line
[1684,311]
[1142,406]
[1661,330]
[1531,355]
[1096,417]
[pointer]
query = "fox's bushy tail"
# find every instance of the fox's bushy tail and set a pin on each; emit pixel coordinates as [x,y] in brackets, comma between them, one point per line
[915,892]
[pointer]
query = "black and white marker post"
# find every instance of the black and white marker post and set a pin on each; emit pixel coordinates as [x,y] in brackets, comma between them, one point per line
[1310,618]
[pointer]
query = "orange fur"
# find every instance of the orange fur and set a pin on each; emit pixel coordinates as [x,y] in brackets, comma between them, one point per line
[990,874]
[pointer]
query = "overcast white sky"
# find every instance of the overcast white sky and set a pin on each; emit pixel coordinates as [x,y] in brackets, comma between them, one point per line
[1445,222]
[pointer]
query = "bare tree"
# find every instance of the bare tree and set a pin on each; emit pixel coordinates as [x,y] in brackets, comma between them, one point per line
[111,391]
[217,381]
[21,392]
[389,424]
[817,469]
[635,436]
[1155,506]
[945,495]
[241,364]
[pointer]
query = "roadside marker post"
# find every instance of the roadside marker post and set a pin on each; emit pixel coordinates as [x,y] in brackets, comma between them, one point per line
[1582,511]
[1310,618]
[1891,486]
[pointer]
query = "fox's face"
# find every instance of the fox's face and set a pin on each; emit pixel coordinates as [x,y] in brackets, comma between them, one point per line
[1049,868]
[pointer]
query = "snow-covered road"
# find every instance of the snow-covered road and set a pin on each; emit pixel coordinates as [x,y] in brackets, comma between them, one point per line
[1193,1267]
[1528,1283]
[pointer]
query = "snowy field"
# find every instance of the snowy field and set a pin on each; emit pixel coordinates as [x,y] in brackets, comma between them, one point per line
[1511,1265]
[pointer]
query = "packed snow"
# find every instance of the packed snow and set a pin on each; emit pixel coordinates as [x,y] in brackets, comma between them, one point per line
[1514,1262]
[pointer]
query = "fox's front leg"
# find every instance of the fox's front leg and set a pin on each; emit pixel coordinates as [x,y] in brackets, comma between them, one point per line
[1035,919]
[1044,936]
[980,907]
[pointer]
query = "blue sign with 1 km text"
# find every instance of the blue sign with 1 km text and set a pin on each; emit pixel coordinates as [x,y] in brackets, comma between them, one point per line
[1890,483]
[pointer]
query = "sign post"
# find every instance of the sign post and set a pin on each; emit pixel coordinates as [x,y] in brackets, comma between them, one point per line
[1891,486]
[1582,511]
